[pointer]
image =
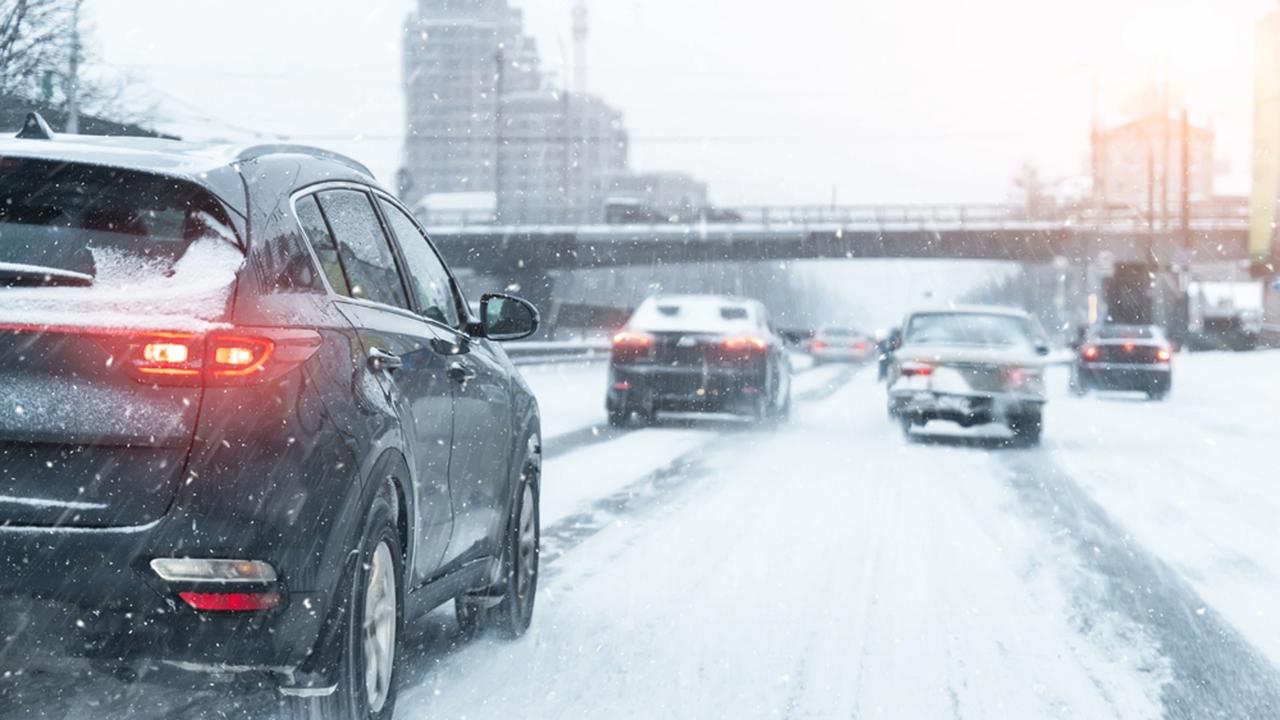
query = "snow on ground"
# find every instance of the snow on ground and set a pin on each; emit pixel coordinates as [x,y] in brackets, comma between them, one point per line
[1194,479]
[826,570]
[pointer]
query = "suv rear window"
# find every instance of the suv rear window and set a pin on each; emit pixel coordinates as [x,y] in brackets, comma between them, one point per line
[83,218]
[79,242]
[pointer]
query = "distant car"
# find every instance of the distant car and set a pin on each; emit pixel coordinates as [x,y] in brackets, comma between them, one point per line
[1136,358]
[841,344]
[972,366]
[701,353]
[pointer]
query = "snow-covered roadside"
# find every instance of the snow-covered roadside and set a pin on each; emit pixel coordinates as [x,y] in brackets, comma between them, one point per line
[1192,479]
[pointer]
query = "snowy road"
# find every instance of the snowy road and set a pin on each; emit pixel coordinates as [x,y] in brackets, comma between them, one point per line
[1129,568]
[831,569]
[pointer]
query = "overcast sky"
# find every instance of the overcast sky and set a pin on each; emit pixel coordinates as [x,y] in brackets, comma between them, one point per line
[773,103]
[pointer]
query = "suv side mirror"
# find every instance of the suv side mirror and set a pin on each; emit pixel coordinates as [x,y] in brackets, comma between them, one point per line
[1042,348]
[506,317]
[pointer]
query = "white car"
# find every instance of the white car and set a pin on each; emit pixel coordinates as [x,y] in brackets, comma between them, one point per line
[841,344]
[972,366]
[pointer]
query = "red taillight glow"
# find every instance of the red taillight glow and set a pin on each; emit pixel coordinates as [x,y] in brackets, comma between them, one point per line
[238,357]
[818,345]
[1091,352]
[231,601]
[917,370]
[220,358]
[632,340]
[746,343]
[166,353]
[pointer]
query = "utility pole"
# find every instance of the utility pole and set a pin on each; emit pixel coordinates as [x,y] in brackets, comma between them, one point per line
[1186,180]
[73,73]
[580,34]
[1151,186]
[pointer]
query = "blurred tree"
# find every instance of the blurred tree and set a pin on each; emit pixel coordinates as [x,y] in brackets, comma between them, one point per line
[43,61]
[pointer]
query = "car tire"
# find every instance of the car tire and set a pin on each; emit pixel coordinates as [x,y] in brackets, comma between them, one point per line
[1027,429]
[508,610]
[618,418]
[372,616]
[906,423]
[784,413]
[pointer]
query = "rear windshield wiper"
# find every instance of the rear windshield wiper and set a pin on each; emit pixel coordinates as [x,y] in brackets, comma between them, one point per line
[19,275]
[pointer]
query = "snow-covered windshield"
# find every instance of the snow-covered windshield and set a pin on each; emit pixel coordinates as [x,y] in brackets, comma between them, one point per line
[968,329]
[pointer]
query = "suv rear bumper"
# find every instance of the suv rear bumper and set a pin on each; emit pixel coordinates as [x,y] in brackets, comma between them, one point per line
[91,594]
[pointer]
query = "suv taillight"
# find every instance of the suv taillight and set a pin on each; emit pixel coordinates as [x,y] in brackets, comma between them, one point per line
[248,355]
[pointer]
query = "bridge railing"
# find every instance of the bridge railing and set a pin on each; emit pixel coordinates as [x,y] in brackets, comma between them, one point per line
[1213,215]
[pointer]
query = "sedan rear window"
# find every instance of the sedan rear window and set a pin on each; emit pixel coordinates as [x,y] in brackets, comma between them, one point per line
[968,329]
[1125,332]
[693,313]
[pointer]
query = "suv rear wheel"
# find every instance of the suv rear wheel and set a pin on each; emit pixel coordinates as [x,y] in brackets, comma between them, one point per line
[372,616]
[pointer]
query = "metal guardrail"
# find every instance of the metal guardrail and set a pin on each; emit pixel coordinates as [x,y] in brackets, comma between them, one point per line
[549,352]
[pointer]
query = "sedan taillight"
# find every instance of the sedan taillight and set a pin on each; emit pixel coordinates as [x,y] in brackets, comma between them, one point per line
[916,369]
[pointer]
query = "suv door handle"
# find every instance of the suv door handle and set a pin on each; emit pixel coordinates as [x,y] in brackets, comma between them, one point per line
[381,360]
[461,372]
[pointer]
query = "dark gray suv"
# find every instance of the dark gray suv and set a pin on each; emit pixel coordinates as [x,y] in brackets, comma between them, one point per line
[247,424]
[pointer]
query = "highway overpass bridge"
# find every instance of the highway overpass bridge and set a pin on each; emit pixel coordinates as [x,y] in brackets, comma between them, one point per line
[1216,232]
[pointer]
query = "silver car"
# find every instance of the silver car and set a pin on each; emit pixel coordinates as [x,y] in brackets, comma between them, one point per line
[972,366]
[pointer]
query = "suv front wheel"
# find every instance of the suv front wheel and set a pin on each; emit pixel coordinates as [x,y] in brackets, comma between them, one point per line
[508,610]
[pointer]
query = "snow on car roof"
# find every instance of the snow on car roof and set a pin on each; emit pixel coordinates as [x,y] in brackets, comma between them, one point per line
[972,310]
[695,313]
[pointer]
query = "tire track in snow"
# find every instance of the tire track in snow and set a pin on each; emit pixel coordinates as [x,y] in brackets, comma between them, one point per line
[655,488]
[1216,672]
[565,443]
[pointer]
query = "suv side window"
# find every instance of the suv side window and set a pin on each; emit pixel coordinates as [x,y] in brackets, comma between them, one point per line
[427,277]
[317,231]
[362,247]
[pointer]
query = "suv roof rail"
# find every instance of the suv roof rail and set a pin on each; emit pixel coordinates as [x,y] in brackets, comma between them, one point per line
[257,151]
[35,128]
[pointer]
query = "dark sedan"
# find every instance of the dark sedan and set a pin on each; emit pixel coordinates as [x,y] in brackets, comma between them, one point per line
[1134,358]
[700,353]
